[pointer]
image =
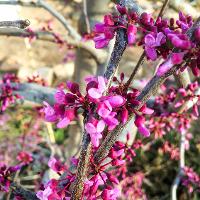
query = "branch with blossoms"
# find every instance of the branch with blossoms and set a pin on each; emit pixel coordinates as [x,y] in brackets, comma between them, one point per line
[110,103]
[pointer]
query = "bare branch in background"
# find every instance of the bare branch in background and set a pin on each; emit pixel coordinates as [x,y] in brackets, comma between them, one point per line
[21,24]
[87,22]
[99,55]
[26,194]
[34,92]
[52,11]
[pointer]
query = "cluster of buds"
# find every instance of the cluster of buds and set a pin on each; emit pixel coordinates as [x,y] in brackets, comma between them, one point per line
[166,117]
[8,96]
[6,174]
[191,179]
[159,38]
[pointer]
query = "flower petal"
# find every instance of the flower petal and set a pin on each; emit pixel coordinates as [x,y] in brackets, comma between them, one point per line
[63,123]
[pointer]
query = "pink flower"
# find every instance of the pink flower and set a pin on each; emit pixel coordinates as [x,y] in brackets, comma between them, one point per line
[176,58]
[50,114]
[43,195]
[58,112]
[151,42]
[110,194]
[97,93]
[24,157]
[139,122]
[111,121]
[104,109]
[55,165]
[131,31]
[94,128]
[104,32]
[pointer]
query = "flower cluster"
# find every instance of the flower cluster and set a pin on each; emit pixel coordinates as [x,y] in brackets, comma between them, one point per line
[159,38]
[5,176]
[103,111]
[166,117]
[8,96]
[191,179]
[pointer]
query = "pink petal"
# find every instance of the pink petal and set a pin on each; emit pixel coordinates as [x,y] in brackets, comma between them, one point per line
[95,139]
[149,40]
[139,120]
[100,126]
[108,20]
[164,67]
[159,38]
[101,84]
[51,163]
[124,115]
[99,27]
[116,101]
[94,93]
[151,53]
[144,131]
[63,123]
[177,58]
[131,34]
[148,111]
[60,97]
[90,128]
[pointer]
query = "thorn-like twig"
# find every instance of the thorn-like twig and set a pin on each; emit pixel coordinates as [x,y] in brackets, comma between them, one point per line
[21,24]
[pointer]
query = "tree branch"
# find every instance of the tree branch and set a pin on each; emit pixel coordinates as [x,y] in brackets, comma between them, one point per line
[99,55]
[52,11]
[21,24]
[26,194]
[34,92]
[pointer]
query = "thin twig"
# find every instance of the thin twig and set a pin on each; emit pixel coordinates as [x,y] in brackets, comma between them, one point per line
[21,24]
[52,11]
[99,55]
[85,13]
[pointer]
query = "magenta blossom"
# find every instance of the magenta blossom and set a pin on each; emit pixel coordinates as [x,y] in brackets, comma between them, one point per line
[151,42]
[58,112]
[55,165]
[139,122]
[97,92]
[131,31]
[94,128]
[176,58]
[43,195]
[104,32]
[110,194]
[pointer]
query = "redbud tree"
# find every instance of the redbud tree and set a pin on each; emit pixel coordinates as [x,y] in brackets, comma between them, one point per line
[109,102]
